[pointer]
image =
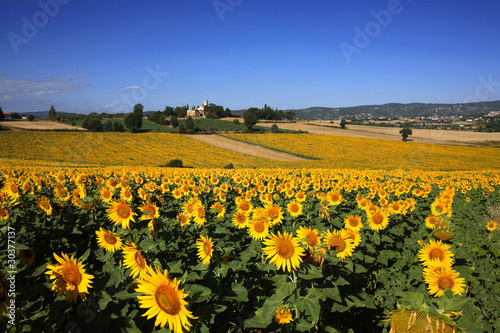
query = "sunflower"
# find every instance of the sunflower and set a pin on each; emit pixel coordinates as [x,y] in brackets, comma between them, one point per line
[44,204]
[120,213]
[378,221]
[183,219]
[353,222]
[134,259]
[355,236]
[294,208]
[205,251]
[258,228]
[126,194]
[334,198]
[283,316]
[338,242]
[199,215]
[310,237]
[491,226]
[164,299]
[219,209]
[69,277]
[4,213]
[240,219]
[436,250]
[149,211]
[27,256]
[445,279]
[12,190]
[435,266]
[106,194]
[274,212]
[284,251]
[108,241]
[430,221]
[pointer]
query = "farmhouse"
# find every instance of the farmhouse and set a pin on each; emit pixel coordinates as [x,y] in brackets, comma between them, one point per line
[199,111]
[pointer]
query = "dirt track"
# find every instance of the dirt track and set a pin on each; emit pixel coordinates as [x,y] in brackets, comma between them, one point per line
[444,137]
[244,148]
[38,125]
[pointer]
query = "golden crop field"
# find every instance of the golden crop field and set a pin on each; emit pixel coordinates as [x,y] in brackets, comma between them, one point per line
[155,149]
[360,153]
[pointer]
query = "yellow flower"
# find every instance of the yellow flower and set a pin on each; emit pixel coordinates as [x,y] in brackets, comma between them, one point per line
[164,299]
[491,226]
[240,219]
[258,228]
[353,222]
[205,249]
[436,250]
[445,279]
[294,208]
[283,316]
[284,251]
[44,204]
[108,241]
[310,237]
[69,278]
[134,260]
[120,213]
[149,211]
[338,242]
[378,221]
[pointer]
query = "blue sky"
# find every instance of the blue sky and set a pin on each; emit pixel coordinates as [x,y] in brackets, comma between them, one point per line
[106,56]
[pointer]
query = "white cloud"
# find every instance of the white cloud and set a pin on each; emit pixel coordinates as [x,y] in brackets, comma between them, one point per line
[26,88]
[127,89]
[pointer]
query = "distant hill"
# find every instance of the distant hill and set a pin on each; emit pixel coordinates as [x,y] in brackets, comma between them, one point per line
[395,110]
[375,111]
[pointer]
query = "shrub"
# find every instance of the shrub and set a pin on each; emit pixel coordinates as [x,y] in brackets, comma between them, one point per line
[175,163]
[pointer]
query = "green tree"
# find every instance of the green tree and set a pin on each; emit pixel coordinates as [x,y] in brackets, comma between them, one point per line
[274,128]
[405,132]
[174,122]
[2,116]
[251,118]
[93,124]
[118,127]
[52,113]
[31,117]
[290,115]
[343,123]
[169,111]
[133,121]
[138,108]
[190,125]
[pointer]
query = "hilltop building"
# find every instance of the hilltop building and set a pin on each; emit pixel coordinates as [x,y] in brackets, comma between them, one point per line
[199,111]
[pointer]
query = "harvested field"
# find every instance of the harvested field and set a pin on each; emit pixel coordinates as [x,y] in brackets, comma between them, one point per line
[443,137]
[39,125]
[245,148]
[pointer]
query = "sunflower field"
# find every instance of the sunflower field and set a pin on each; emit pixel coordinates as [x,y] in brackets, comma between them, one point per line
[134,249]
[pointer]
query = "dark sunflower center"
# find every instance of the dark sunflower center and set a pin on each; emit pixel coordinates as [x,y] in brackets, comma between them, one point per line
[273,213]
[110,239]
[139,259]
[377,219]
[123,211]
[259,227]
[241,219]
[167,299]
[337,244]
[445,282]
[312,240]
[294,208]
[285,249]
[207,248]
[436,254]
[353,222]
[72,275]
